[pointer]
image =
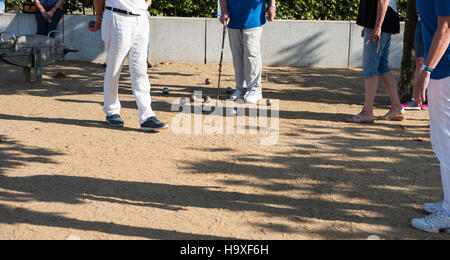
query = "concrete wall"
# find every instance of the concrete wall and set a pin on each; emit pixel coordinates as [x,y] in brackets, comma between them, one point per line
[198,40]
[18,24]
[77,36]
[177,40]
[291,43]
[306,43]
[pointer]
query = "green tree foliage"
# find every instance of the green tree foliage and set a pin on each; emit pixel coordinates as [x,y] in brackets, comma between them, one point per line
[13,5]
[77,5]
[69,5]
[184,8]
[287,9]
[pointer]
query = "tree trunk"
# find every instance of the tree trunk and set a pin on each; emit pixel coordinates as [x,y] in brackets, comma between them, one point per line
[408,60]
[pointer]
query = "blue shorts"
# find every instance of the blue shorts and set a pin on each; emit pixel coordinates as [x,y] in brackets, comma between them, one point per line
[419,48]
[375,64]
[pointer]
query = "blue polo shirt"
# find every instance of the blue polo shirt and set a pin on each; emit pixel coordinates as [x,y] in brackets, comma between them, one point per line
[49,2]
[246,14]
[429,10]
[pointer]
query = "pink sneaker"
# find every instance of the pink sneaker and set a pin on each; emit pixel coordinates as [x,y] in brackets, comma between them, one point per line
[425,107]
[411,105]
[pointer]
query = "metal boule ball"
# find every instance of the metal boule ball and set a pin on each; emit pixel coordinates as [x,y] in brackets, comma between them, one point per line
[92,24]
[205,109]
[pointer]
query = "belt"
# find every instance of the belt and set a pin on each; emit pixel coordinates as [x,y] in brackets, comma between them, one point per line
[121,11]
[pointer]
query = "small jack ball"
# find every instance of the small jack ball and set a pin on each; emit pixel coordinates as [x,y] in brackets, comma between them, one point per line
[183,101]
[207,81]
[92,24]
[232,112]
[229,90]
[269,102]
[207,99]
[193,98]
[165,91]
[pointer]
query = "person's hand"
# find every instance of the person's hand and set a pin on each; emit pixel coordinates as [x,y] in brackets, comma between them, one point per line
[375,36]
[98,24]
[419,92]
[224,18]
[272,13]
[148,2]
[45,16]
[50,15]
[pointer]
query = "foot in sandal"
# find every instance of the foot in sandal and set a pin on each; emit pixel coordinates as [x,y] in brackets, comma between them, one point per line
[393,116]
[360,119]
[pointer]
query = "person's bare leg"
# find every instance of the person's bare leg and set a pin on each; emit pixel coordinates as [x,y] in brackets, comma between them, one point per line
[371,86]
[391,86]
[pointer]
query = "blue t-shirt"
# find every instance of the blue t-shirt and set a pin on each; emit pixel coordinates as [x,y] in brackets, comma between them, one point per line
[49,2]
[246,14]
[429,10]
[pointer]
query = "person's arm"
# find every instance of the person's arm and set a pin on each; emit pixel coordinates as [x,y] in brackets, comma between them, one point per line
[381,14]
[224,17]
[441,40]
[439,46]
[41,8]
[56,7]
[272,10]
[99,6]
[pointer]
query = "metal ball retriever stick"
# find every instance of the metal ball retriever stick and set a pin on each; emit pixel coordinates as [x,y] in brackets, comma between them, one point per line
[220,64]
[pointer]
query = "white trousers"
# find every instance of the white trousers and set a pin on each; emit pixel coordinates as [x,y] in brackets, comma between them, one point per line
[126,37]
[439,101]
[246,50]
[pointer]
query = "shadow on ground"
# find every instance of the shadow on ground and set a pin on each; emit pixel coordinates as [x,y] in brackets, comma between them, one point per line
[376,182]
[331,162]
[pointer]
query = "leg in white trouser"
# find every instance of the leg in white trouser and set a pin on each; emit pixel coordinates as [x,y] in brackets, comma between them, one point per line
[237,49]
[137,59]
[439,101]
[148,47]
[252,57]
[246,50]
[126,36]
[115,57]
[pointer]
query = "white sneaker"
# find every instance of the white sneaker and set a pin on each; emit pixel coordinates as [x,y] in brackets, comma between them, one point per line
[253,96]
[238,94]
[434,223]
[433,207]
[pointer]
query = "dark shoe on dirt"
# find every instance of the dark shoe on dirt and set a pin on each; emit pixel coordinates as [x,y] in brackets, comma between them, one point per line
[115,121]
[153,124]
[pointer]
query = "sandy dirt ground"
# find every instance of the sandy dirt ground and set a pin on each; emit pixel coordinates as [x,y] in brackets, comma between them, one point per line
[64,172]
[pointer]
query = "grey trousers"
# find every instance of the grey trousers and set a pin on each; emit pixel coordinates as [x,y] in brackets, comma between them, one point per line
[246,50]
